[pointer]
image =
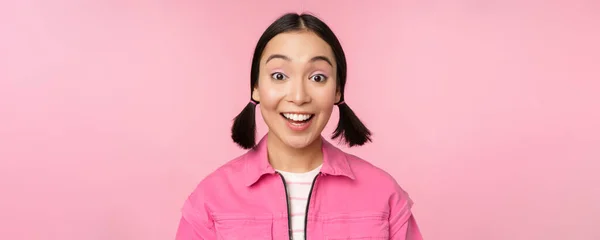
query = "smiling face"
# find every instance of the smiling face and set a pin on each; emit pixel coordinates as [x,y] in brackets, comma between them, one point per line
[296,87]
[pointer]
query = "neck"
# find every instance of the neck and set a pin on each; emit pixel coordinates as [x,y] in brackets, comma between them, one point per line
[285,158]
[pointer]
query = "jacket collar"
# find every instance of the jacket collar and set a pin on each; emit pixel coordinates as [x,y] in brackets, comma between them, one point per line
[257,162]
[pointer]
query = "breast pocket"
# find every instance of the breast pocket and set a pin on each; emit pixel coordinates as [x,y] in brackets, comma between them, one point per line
[357,225]
[234,227]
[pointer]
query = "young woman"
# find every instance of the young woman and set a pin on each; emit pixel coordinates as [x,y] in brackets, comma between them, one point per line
[294,184]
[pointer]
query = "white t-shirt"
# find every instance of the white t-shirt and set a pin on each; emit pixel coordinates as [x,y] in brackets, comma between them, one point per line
[298,187]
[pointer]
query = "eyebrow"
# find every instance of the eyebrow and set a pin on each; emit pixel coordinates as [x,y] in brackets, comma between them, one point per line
[316,58]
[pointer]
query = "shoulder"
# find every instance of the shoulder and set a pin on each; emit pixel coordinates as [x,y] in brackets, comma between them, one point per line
[228,173]
[372,176]
[364,169]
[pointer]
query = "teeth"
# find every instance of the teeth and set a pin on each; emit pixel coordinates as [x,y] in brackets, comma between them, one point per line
[297,117]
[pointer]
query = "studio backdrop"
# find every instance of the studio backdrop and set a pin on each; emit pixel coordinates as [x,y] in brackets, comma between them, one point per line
[486,112]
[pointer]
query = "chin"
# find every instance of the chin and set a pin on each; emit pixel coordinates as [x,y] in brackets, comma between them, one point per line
[299,142]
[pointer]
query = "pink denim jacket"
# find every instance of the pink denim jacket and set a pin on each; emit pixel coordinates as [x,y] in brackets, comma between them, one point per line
[246,199]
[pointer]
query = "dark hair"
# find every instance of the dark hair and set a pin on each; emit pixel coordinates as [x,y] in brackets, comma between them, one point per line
[349,126]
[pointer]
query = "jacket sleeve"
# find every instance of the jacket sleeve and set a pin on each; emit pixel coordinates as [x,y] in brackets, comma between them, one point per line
[408,231]
[196,222]
[403,225]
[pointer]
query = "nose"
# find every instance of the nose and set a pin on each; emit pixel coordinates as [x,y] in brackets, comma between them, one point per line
[298,92]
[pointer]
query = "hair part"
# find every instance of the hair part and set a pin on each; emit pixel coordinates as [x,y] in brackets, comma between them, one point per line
[349,129]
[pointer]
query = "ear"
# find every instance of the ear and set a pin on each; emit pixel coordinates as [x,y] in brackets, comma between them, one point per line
[255,95]
[338,96]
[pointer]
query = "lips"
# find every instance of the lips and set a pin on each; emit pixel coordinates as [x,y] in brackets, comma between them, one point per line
[297,117]
[298,122]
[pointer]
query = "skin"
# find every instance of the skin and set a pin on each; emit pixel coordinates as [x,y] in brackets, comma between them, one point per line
[297,74]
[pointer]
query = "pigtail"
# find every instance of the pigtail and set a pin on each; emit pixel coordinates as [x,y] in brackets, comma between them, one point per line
[353,130]
[243,131]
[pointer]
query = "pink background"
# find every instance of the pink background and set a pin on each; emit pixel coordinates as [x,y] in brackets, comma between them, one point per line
[112,111]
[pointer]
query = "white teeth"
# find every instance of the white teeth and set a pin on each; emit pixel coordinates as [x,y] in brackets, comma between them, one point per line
[297,117]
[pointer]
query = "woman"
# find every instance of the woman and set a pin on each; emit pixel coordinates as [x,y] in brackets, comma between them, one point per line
[293,184]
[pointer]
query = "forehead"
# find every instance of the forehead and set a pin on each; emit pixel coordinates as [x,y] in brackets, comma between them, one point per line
[299,46]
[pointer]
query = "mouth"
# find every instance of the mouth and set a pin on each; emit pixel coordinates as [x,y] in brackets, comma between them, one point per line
[297,118]
[298,121]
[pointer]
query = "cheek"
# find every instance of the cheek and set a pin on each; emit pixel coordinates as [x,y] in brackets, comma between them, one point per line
[325,102]
[325,97]
[270,97]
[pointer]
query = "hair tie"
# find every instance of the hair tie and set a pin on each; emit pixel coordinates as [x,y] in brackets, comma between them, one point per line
[340,103]
[253,102]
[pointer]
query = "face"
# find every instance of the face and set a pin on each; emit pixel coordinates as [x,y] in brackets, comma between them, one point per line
[297,87]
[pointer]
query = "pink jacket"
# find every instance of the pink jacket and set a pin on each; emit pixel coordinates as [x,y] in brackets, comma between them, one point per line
[246,199]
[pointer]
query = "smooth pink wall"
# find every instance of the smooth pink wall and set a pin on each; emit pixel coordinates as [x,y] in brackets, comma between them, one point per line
[487,112]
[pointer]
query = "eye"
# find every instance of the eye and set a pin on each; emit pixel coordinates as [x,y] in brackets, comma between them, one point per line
[318,78]
[278,76]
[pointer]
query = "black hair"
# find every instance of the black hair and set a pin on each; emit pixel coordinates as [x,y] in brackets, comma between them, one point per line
[349,126]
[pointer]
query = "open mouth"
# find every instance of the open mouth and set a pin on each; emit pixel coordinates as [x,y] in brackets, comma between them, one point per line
[297,118]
